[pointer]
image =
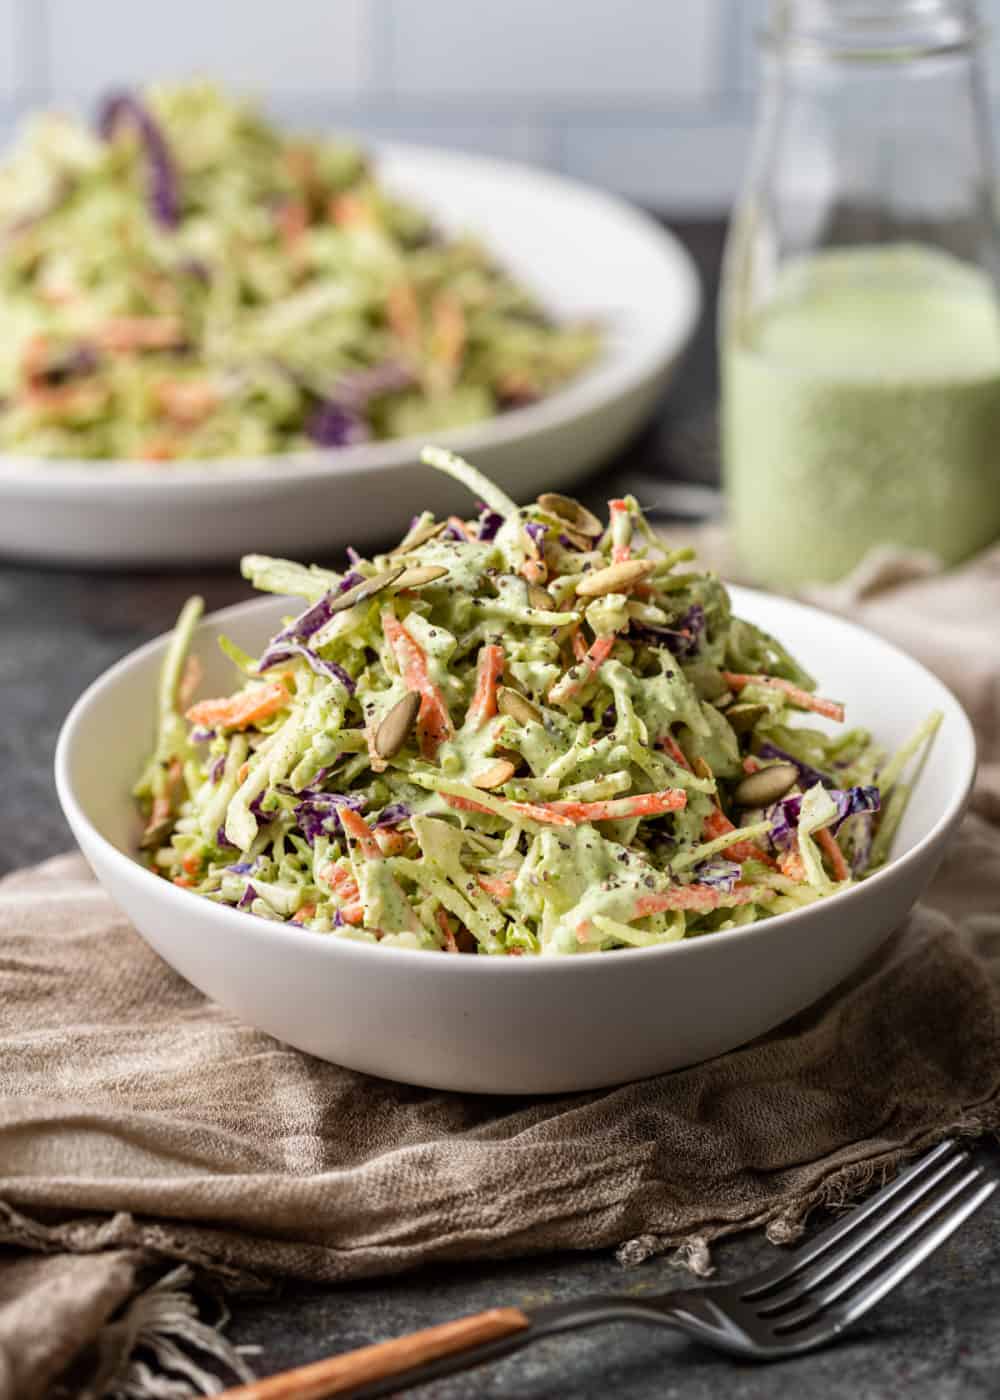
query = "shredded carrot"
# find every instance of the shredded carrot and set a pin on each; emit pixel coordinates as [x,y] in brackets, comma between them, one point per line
[579,644]
[186,401]
[345,887]
[489,669]
[534,570]
[828,844]
[403,314]
[34,356]
[805,700]
[191,864]
[241,711]
[351,211]
[496,886]
[444,924]
[183,882]
[717,824]
[750,764]
[391,842]
[619,552]
[531,811]
[292,219]
[434,724]
[163,805]
[792,865]
[304,912]
[646,804]
[699,899]
[189,681]
[357,828]
[140,333]
[448,332]
[156,449]
[457,523]
[670,745]
[570,685]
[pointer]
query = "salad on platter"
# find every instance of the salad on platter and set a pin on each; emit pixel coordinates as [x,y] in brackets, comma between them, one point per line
[182,280]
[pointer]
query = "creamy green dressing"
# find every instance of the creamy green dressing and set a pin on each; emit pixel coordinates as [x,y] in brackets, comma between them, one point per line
[861,407]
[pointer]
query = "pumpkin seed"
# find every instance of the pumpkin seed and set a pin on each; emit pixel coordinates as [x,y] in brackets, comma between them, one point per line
[419,574]
[615,578]
[541,598]
[576,515]
[765,786]
[395,728]
[517,706]
[744,717]
[366,589]
[706,679]
[420,534]
[582,542]
[495,776]
[155,835]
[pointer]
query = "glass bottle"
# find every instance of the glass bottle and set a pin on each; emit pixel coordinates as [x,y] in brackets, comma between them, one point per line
[859,334]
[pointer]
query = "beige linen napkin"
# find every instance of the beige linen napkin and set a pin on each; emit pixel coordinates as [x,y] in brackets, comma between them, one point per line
[146,1133]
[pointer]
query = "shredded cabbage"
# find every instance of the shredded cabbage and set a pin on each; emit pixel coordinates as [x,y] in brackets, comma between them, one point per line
[478,743]
[185,281]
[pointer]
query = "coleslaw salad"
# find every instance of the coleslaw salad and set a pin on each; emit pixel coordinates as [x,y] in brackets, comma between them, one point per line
[184,282]
[526,732]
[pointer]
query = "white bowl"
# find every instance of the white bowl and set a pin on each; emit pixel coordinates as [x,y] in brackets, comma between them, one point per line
[584,254]
[516,1025]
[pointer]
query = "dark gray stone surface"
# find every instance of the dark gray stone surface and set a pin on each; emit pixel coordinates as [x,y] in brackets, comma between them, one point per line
[937,1338]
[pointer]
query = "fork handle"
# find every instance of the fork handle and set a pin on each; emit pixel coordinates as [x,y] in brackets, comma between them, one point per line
[387,1367]
[393,1360]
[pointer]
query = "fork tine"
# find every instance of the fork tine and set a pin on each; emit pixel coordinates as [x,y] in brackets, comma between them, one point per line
[807,1279]
[930,1228]
[884,1283]
[906,1182]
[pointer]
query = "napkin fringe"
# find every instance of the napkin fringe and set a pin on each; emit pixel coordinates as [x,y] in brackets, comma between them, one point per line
[162,1322]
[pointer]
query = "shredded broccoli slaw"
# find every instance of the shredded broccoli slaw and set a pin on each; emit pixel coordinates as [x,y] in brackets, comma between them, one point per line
[183,281]
[527,732]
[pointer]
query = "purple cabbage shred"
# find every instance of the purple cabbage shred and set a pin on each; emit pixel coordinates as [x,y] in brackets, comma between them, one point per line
[810,776]
[354,391]
[256,807]
[274,656]
[125,109]
[849,802]
[247,897]
[223,842]
[317,812]
[332,425]
[682,641]
[721,875]
[392,815]
[489,524]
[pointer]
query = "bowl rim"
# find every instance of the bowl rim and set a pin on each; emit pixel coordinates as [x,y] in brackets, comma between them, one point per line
[593,390]
[179,899]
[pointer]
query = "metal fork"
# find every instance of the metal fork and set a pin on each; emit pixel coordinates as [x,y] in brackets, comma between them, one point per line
[800,1304]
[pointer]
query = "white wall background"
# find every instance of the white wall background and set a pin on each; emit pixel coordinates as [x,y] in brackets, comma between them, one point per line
[649,97]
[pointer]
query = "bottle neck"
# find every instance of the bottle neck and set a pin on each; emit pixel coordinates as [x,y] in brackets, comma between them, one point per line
[872,31]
